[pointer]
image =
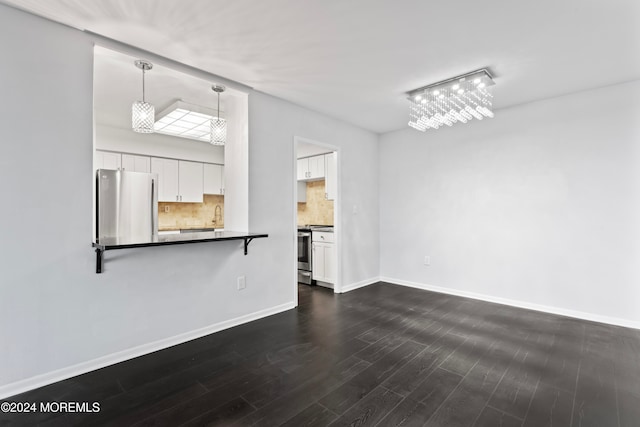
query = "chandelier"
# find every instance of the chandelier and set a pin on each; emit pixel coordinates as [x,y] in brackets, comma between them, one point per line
[458,99]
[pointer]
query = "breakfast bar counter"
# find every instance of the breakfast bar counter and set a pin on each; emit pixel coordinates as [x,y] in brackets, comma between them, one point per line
[112,243]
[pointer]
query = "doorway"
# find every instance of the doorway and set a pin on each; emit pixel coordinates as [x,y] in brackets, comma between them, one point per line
[317,227]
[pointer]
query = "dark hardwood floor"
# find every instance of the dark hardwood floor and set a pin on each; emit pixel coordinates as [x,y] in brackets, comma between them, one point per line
[382,355]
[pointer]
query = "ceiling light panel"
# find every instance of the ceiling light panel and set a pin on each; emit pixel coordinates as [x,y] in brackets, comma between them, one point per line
[186,120]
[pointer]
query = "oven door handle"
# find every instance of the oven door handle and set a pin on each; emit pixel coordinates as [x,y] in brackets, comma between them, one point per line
[304,234]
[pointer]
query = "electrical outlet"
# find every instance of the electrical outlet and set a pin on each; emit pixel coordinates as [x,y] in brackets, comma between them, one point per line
[241,283]
[427,260]
[166,209]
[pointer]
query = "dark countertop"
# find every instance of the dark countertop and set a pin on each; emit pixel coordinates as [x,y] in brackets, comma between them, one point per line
[173,239]
[325,228]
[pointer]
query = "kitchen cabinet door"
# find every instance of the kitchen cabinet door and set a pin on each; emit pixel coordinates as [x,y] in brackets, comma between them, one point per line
[213,179]
[107,160]
[316,167]
[323,261]
[303,169]
[330,176]
[168,177]
[317,261]
[133,163]
[311,168]
[190,182]
[330,263]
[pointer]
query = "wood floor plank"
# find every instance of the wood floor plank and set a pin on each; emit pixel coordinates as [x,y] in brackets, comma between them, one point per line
[314,415]
[359,386]
[435,389]
[406,379]
[467,400]
[383,354]
[224,415]
[517,387]
[409,413]
[370,410]
[491,417]
[550,407]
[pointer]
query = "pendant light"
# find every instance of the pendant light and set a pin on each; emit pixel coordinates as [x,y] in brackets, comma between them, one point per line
[218,124]
[142,113]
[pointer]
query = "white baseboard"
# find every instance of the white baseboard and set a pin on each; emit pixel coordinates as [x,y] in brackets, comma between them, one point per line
[515,303]
[360,284]
[21,386]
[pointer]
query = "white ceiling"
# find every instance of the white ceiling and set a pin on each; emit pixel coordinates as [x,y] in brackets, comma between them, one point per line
[355,59]
[118,83]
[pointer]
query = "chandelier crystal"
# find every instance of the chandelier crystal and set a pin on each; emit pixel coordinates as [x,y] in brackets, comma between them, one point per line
[458,99]
[218,124]
[142,113]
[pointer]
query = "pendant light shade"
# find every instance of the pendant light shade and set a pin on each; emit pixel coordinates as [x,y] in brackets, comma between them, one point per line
[142,113]
[218,124]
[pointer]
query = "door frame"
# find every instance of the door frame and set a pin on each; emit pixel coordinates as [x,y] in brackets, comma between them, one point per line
[337,229]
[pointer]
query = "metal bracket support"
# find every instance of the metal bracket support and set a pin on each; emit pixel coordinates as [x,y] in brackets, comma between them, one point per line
[246,244]
[99,260]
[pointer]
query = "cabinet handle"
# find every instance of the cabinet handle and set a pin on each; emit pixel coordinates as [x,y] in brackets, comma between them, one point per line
[177,198]
[180,198]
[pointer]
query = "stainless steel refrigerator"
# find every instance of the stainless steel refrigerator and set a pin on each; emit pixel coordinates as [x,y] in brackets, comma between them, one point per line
[126,204]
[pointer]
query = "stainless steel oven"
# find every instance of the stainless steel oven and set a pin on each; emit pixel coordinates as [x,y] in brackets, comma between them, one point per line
[304,256]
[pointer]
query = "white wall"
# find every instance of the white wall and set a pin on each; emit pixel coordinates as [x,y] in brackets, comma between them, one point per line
[273,123]
[55,312]
[540,205]
[156,144]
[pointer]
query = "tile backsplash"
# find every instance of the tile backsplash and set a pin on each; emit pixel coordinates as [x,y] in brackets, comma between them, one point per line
[317,210]
[192,215]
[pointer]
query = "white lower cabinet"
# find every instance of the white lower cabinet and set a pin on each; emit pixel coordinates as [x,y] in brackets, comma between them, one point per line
[323,257]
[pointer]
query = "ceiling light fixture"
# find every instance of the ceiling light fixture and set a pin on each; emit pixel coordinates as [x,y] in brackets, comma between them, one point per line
[142,113]
[218,124]
[458,99]
[186,120]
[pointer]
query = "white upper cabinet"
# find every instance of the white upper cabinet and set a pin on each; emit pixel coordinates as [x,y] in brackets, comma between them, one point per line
[311,168]
[167,170]
[133,163]
[213,179]
[190,182]
[303,169]
[316,167]
[179,180]
[330,176]
[107,160]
